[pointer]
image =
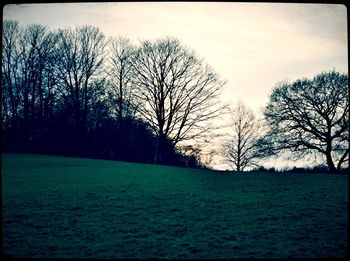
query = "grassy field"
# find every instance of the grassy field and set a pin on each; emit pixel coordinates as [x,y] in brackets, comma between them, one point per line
[81,208]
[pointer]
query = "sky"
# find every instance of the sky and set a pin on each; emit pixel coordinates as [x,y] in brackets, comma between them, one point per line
[252,46]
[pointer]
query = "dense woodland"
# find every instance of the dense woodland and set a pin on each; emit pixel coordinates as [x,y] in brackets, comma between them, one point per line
[75,92]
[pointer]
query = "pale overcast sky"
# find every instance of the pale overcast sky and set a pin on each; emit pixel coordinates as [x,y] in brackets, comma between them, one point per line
[251,45]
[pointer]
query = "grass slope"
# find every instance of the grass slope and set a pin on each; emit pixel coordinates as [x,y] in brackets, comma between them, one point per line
[80,208]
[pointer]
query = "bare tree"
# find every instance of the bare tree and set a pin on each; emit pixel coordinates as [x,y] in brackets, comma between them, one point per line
[120,71]
[10,73]
[309,116]
[36,62]
[179,92]
[79,68]
[241,150]
[27,78]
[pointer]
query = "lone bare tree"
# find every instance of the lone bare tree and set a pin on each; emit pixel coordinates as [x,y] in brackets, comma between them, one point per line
[308,116]
[178,91]
[242,150]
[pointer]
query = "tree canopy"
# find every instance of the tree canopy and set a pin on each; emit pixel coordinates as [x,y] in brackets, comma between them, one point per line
[308,116]
[72,91]
[179,92]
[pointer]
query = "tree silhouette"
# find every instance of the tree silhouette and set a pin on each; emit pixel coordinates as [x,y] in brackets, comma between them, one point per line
[178,91]
[27,80]
[310,116]
[79,67]
[80,75]
[242,150]
[10,95]
[121,72]
[63,93]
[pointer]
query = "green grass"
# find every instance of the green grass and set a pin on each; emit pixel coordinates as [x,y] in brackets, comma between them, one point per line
[81,208]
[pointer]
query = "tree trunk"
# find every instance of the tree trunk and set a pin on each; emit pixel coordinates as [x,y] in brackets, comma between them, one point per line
[158,152]
[342,159]
[330,162]
[328,152]
[155,157]
[160,149]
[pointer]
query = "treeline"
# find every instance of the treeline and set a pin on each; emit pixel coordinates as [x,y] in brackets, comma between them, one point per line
[320,169]
[74,92]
